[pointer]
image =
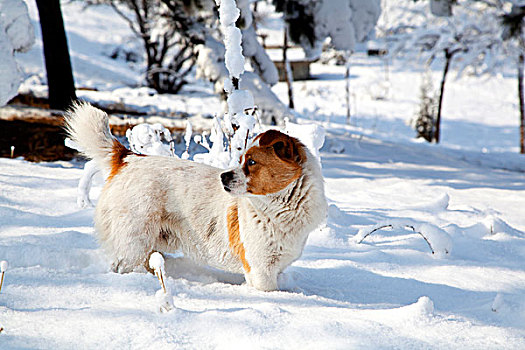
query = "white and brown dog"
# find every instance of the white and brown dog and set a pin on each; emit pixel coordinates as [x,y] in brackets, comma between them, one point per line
[254,219]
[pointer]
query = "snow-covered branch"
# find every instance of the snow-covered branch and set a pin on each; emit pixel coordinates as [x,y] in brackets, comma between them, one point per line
[3,269]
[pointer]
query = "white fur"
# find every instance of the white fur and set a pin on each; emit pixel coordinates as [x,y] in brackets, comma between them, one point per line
[166,204]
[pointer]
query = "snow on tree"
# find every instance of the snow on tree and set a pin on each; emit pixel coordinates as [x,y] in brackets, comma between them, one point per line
[16,35]
[252,49]
[150,139]
[238,121]
[187,140]
[211,66]
[345,22]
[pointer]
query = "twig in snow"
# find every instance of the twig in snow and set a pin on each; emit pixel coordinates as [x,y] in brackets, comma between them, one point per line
[405,226]
[156,263]
[3,269]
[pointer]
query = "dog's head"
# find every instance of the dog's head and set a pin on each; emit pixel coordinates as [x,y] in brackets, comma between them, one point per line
[272,162]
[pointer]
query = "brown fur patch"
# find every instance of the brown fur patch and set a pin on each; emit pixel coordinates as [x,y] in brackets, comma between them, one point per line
[117,158]
[234,236]
[278,159]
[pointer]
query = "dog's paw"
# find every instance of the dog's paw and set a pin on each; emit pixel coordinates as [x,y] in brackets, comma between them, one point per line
[120,266]
[261,282]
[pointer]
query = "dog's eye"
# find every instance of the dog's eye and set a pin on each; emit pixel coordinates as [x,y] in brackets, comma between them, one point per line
[251,162]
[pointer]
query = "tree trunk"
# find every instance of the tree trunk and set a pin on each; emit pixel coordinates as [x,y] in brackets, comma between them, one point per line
[287,70]
[347,88]
[58,65]
[521,61]
[448,58]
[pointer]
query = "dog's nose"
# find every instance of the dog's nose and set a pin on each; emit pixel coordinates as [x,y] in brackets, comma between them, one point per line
[226,178]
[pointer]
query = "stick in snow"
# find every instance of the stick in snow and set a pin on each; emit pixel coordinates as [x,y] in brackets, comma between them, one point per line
[405,226]
[3,269]
[156,263]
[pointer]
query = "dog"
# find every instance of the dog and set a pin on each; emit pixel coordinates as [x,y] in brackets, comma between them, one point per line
[253,219]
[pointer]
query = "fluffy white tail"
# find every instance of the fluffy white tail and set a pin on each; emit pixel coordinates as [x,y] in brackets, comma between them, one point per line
[88,127]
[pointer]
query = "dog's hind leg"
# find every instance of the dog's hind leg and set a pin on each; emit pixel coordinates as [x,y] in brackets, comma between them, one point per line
[129,248]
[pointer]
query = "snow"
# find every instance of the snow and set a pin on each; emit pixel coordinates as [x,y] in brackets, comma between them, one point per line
[15,21]
[156,261]
[311,135]
[3,266]
[8,70]
[345,22]
[233,57]
[238,101]
[150,139]
[337,295]
[389,291]
[228,14]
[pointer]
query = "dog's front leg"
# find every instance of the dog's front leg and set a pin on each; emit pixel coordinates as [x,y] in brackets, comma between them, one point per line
[262,279]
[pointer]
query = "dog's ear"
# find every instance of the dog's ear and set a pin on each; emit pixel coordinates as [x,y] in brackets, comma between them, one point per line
[285,147]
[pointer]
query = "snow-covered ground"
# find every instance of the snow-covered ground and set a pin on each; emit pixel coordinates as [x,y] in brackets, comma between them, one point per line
[387,292]
[466,194]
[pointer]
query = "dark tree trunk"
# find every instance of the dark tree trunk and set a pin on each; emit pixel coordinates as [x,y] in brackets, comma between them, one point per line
[287,69]
[448,58]
[521,61]
[58,65]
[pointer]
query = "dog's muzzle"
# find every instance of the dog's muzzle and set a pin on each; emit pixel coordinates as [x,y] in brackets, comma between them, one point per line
[226,179]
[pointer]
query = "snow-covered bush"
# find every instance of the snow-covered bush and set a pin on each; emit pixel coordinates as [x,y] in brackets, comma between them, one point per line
[150,139]
[147,139]
[16,35]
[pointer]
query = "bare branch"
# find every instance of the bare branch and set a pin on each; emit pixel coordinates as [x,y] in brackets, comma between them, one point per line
[405,226]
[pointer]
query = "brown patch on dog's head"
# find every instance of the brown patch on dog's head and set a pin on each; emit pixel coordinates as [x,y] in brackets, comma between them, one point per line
[273,163]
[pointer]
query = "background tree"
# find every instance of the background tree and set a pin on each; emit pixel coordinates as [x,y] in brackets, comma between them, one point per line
[169,31]
[513,34]
[469,37]
[61,84]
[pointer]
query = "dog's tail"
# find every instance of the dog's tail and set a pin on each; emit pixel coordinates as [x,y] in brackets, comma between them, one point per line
[88,127]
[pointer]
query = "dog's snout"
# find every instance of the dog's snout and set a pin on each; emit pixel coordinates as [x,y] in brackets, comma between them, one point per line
[226,178]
